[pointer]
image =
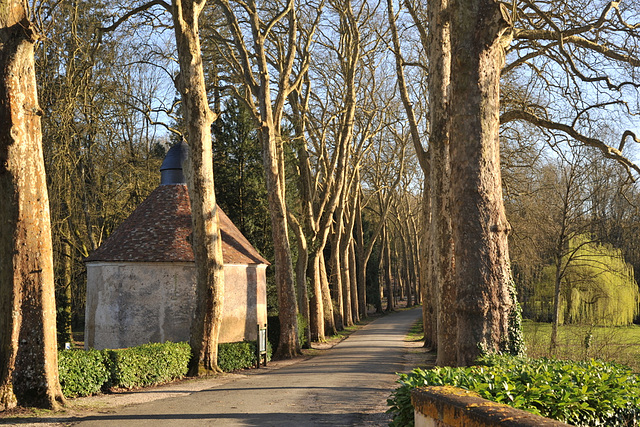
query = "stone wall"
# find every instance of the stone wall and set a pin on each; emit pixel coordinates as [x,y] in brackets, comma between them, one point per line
[133,303]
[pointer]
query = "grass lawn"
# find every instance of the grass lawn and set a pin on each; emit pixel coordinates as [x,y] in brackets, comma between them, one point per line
[619,344]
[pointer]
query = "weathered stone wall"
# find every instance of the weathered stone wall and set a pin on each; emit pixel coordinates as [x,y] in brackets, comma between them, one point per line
[245,303]
[454,407]
[130,304]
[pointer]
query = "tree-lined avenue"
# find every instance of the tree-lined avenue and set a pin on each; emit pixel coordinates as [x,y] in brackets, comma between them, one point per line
[346,386]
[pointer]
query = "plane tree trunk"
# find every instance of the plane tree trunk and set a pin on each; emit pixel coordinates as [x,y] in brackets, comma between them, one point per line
[28,344]
[480,233]
[207,243]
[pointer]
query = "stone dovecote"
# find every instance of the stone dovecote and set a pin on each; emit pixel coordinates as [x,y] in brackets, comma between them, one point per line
[141,280]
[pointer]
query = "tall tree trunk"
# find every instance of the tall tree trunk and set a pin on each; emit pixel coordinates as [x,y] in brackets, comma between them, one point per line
[360,255]
[336,274]
[354,282]
[207,244]
[441,239]
[316,305]
[429,306]
[66,331]
[381,278]
[348,215]
[388,278]
[287,305]
[306,306]
[28,345]
[345,272]
[302,265]
[255,73]
[327,303]
[553,343]
[480,230]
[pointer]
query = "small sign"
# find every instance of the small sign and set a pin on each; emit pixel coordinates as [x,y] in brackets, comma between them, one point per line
[261,348]
[263,340]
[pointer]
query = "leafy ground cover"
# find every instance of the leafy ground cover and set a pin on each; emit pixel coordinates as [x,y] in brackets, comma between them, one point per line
[590,393]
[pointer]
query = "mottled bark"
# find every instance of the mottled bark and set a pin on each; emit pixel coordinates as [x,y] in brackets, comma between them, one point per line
[28,345]
[351,291]
[207,244]
[440,228]
[480,229]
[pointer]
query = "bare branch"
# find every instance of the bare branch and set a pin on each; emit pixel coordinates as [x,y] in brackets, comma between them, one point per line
[607,150]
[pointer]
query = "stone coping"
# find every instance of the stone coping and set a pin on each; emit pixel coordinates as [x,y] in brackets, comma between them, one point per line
[447,406]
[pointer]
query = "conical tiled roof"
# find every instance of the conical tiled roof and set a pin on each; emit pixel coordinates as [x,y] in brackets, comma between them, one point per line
[159,231]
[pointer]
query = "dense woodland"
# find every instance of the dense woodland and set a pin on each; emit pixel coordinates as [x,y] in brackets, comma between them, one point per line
[345,146]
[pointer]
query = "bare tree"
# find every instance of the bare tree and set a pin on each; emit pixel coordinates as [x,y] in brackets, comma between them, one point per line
[207,243]
[262,40]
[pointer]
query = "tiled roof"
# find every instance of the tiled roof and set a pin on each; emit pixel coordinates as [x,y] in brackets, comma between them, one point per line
[159,231]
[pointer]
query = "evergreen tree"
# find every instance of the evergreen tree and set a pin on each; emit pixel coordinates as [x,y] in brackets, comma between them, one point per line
[237,162]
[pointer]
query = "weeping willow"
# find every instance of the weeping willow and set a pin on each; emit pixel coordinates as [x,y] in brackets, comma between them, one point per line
[598,286]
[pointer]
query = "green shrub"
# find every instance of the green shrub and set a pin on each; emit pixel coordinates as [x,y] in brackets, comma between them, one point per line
[239,355]
[148,364]
[592,393]
[81,372]
[87,372]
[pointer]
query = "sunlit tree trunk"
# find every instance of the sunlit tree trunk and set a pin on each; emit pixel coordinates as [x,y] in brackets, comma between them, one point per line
[302,266]
[388,277]
[480,229]
[336,274]
[28,345]
[354,282]
[360,261]
[327,303]
[207,244]
[316,304]
[304,227]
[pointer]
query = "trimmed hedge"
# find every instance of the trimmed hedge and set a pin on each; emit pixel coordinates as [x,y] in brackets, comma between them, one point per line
[86,372]
[239,355]
[83,373]
[148,364]
[592,393]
